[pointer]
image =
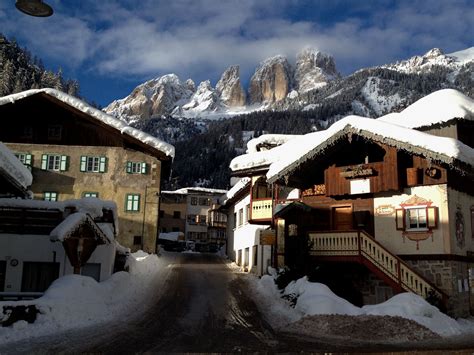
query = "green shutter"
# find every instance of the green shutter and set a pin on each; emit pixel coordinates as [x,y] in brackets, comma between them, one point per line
[129,167]
[83,163]
[44,162]
[28,159]
[144,167]
[63,165]
[103,164]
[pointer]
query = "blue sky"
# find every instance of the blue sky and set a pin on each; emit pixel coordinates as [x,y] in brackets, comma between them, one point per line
[112,46]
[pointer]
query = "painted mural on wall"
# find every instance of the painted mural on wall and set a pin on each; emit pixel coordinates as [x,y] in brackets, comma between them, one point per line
[460,235]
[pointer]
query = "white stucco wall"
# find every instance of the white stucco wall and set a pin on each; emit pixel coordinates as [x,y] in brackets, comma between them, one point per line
[246,236]
[39,248]
[460,205]
[393,239]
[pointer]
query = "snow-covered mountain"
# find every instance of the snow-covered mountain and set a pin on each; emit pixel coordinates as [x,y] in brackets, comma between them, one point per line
[311,84]
[274,80]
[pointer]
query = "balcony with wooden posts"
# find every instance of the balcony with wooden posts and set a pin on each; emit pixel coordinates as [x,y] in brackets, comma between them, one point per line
[358,246]
[261,202]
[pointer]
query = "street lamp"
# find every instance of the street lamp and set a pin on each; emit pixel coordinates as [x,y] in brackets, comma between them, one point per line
[35,8]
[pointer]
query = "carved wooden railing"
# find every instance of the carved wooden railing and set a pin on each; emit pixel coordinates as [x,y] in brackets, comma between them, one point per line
[361,245]
[262,209]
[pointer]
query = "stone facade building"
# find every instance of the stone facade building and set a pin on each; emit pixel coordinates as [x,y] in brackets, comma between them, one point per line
[75,151]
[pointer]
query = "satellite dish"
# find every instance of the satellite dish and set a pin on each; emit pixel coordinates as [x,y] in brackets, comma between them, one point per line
[34,8]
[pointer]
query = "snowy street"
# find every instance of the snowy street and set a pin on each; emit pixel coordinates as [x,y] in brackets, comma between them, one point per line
[206,306]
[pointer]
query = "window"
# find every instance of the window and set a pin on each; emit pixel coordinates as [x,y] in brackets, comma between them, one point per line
[161,213]
[54,132]
[93,164]
[132,203]
[50,196]
[24,158]
[54,162]
[417,218]
[175,229]
[38,276]
[90,194]
[254,256]
[203,201]
[234,222]
[241,216]
[137,240]
[192,218]
[177,214]
[27,132]
[247,213]
[194,201]
[137,167]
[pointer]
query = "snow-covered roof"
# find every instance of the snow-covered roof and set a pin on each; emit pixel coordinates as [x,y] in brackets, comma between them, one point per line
[173,236]
[239,186]
[72,223]
[255,159]
[436,108]
[101,116]
[13,168]
[268,139]
[446,150]
[190,190]
[89,205]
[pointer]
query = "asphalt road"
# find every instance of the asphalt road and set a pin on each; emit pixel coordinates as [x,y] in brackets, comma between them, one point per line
[203,307]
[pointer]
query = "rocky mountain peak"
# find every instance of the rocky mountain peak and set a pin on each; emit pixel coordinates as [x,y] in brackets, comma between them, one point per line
[433,53]
[271,81]
[229,88]
[153,98]
[314,69]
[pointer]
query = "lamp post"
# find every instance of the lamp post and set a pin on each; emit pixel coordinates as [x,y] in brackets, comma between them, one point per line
[35,8]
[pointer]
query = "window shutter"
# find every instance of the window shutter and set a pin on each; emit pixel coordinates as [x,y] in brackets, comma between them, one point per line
[28,159]
[400,218]
[83,163]
[129,167]
[63,166]
[432,217]
[103,164]
[144,169]
[44,161]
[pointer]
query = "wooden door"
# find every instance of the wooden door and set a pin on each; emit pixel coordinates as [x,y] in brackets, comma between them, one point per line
[342,218]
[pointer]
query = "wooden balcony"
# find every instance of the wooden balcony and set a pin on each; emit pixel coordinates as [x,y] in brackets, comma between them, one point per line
[261,210]
[358,246]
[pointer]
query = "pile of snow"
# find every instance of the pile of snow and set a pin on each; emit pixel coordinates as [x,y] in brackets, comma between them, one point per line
[75,301]
[101,116]
[14,168]
[438,107]
[317,299]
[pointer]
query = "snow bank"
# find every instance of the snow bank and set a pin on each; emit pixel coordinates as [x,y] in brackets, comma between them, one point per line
[75,301]
[317,299]
[414,307]
[187,190]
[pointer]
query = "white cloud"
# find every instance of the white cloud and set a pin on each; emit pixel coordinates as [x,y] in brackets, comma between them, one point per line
[150,38]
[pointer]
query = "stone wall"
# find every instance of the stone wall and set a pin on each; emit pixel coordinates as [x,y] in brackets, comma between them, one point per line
[450,276]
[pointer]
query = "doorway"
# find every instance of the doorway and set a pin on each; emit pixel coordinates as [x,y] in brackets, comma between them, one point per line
[342,218]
